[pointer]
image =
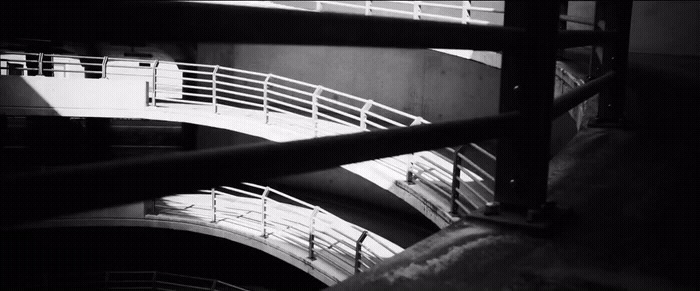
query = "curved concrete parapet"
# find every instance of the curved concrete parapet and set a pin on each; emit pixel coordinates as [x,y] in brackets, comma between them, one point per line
[300,234]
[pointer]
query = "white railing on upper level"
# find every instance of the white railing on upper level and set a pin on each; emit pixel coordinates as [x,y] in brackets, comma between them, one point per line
[429,10]
[251,207]
[328,111]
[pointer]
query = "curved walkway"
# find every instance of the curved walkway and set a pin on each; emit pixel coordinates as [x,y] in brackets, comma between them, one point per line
[264,105]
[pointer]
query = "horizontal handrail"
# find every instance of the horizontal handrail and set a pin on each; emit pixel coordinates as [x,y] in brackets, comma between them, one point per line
[213,89]
[570,99]
[576,19]
[285,220]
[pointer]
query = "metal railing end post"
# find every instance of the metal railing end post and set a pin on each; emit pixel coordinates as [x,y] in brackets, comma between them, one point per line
[358,250]
[213,88]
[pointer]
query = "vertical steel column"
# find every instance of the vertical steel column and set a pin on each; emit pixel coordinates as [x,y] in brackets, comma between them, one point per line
[527,85]
[611,16]
[563,10]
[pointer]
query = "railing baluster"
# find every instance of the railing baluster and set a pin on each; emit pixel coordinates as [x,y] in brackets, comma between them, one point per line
[314,108]
[213,205]
[358,251]
[455,181]
[213,87]
[465,11]
[263,213]
[265,88]
[104,67]
[410,178]
[363,113]
[40,65]
[312,223]
[153,281]
[416,9]
[155,67]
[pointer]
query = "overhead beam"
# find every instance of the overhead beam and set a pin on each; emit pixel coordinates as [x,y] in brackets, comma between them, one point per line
[34,196]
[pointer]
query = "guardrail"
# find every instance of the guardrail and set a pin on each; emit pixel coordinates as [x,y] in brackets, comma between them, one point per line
[523,128]
[415,9]
[221,88]
[251,207]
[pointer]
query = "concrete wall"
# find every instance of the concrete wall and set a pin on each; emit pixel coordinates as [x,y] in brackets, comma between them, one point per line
[433,85]
[665,27]
[657,27]
[63,93]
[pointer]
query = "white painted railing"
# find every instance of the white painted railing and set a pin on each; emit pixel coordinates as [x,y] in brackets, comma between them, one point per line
[428,10]
[328,111]
[274,215]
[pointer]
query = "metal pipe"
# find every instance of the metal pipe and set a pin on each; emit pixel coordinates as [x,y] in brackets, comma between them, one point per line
[574,19]
[75,187]
[570,99]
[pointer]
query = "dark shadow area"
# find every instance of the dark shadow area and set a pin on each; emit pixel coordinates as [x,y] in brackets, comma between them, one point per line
[68,252]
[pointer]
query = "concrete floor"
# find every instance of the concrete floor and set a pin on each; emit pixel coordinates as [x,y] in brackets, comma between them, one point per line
[630,208]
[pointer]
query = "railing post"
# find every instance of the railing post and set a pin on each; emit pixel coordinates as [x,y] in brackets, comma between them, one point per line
[213,205]
[456,173]
[523,158]
[611,16]
[318,6]
[358,251]
[265,88]
[40,65]
[465,11]
[416,9]
[363,113]
[410,177]
[213,87]
[314,108]
[106,280]
[263,212]
[312,228]
[153,281]
[368,8]
[104,67]
[155,67]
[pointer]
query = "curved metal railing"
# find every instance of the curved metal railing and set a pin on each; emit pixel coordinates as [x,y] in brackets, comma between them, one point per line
[323,111]
[273,215]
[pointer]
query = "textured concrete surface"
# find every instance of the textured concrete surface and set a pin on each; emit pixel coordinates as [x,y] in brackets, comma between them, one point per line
[629,199]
